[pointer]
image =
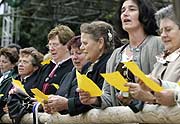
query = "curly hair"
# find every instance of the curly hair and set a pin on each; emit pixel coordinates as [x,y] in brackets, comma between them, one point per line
[64,33]
[37,56]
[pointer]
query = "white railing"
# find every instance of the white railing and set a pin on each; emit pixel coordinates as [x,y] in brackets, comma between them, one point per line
[111,115]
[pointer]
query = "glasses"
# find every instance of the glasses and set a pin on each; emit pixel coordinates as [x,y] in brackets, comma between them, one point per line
[54,45]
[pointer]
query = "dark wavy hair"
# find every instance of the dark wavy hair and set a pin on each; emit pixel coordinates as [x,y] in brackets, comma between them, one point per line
[11,54]
[146,17]
[75,42]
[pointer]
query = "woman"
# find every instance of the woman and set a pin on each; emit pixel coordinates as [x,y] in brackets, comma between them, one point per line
[167,69]
[66,99]
[60,63]
[97,40]
[137,23]
[8,61]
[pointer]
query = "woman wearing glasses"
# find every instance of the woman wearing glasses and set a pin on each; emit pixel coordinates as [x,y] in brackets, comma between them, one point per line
[61,63]
[135,22]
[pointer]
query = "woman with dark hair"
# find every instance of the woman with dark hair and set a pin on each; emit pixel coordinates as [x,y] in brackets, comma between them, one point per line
[8,61]
[137,23]
[66,99]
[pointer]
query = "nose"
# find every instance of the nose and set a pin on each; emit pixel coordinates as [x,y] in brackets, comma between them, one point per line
[74,56]
[82,47]
[163,34]
[125,12]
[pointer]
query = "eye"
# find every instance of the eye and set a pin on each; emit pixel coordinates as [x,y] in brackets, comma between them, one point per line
[123,10]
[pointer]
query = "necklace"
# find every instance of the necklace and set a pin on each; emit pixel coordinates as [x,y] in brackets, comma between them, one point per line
[134,48]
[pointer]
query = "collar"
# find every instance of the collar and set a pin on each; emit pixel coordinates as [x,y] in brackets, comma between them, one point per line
[173,56]
[5,74]
[170,58]
[59,63]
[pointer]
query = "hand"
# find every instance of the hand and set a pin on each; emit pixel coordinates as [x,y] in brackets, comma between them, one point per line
[5,109]
[124,100]
[165,97]
[137,92]
[13,91]
[55,103]
[85,97]
[47,108]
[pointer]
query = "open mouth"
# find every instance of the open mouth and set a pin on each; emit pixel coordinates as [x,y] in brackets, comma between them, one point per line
[126,20]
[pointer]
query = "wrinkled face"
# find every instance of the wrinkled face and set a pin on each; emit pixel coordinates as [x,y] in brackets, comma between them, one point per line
[25,66]
[130,16]
[5,64]
[57,49]
[91,48]
[170,34]
[78,58]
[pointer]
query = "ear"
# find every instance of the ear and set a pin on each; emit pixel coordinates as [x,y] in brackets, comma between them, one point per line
[101,43]
[35,68]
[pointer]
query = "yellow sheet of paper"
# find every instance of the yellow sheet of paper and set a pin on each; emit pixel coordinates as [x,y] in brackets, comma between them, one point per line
[179,83]
[1,95]
[117,80]
[88,85]
[138,73]
[40,100]
[19,85]
[39,95]
[55,85]
[46,62]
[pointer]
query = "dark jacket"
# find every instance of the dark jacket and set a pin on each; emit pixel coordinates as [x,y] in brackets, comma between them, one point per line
[68,86]
[68,89]
[5,86]
[45,82]
[29,83]
[93,70]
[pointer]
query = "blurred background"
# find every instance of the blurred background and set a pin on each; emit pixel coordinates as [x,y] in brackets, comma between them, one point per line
[27,22]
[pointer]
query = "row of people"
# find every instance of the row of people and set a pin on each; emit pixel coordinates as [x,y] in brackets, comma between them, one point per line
[89,54]
[165,72]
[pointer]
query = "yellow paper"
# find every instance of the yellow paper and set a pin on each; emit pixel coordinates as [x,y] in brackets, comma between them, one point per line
[179,83]
[19,85]
[117,80]
[55,85]
[39,95]
[1,95]
[46,62]
[138,73]
[88,85]
[40,100]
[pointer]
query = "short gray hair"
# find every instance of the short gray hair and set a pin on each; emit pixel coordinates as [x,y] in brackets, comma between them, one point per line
[166,12]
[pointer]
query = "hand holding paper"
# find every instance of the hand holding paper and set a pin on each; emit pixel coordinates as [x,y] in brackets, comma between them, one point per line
[88,85]
[19,85]
[138,73]
[117,80]
[40,96]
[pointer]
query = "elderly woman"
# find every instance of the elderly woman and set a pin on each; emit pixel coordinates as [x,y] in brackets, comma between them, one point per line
[167,69]
[136,22]
[60,63]
[8,61]
[66,99]
[97,40]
